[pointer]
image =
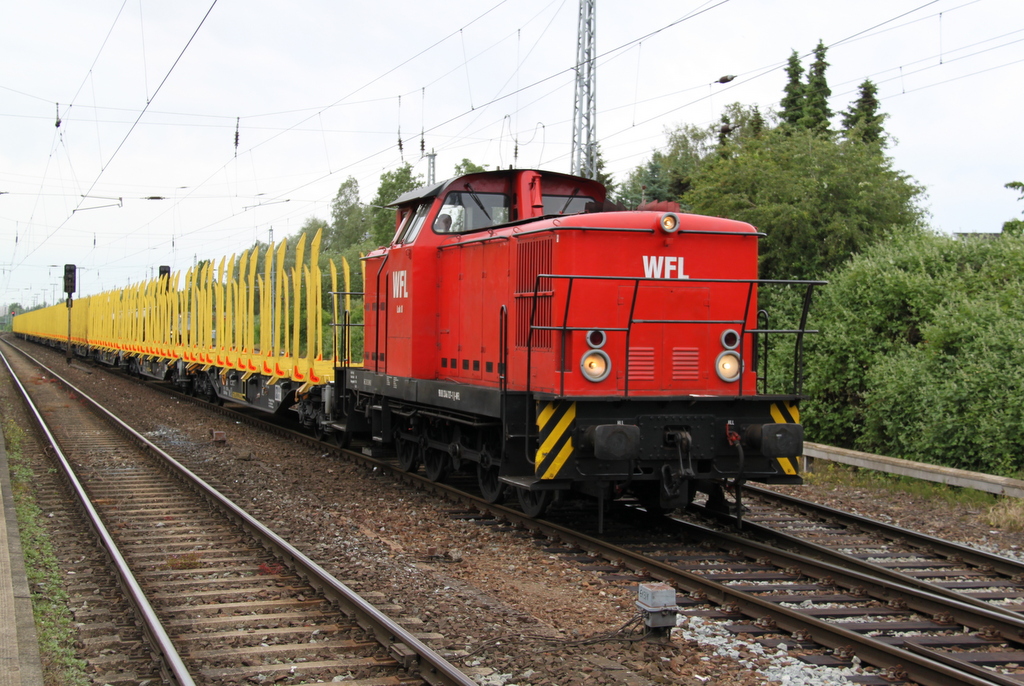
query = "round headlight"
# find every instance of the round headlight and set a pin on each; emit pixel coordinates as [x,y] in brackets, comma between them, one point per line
[730,339]
[596,338]
[669,222]
[595,365]
[728,366]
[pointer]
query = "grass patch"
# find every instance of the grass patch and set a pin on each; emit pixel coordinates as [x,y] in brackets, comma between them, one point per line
[54,622]
[1007,514]
[189,560]
[834,474]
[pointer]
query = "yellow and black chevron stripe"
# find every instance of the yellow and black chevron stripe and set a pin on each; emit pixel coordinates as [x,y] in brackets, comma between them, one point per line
[786,412]
[555,421]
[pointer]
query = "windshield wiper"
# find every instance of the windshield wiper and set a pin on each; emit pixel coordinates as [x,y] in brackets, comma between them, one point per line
[479,204]
[575,192]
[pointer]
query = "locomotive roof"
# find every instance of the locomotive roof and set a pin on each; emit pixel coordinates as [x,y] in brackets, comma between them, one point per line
[434,189]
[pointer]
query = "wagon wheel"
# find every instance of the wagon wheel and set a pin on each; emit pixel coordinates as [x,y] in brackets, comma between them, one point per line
[534,503]
[492,490]
[408,454]
[436,464]
[342,439]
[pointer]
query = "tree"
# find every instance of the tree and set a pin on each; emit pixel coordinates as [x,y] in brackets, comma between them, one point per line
[862,121]
[793,100]
[757,122]
[466,167]
[817,113]
[818,200]
[669,174]
[1015,227]
[604,177]
[392,185]
[349,222]
[723,132]
[649,181]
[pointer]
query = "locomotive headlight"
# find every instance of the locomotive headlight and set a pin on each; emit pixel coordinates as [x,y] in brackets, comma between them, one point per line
[669,222]
[595,365]
[728,366]
[730,339]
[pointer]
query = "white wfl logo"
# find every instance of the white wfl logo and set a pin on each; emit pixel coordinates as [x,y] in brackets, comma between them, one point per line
[661,267]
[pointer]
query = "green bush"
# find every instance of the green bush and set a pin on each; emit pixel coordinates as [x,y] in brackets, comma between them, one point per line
[920,353]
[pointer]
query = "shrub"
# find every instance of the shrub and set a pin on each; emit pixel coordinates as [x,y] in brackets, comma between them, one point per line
[920,351]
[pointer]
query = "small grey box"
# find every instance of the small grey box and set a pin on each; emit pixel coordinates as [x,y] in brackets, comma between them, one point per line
[656,596]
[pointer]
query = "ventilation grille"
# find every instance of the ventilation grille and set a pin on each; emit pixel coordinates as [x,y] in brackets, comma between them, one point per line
[641,364]
[685,364]
[533,258]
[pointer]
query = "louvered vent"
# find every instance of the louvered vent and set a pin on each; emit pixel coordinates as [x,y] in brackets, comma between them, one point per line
[641,364]
[533,258]
[685,364]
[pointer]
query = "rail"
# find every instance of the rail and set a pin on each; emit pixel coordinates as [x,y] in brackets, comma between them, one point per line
[151,624]
[403,645]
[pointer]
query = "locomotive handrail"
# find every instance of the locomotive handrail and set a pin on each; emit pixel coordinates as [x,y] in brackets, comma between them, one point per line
[757,360]
[797,381]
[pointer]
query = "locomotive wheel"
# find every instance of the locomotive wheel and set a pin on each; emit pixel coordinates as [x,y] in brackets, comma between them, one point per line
[408,455]
[649,495]
[436,464]
[492,490]
[534,503]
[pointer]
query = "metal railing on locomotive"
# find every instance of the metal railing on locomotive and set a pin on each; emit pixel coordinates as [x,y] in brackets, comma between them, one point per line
[346,325]
[564,329]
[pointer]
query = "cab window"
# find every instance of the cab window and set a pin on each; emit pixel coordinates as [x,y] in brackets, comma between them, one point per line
[468,211]
[413,223]
[566,204]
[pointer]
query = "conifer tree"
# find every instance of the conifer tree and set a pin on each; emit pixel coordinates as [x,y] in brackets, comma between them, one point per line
[757,124]
[793,101]
[862,121]
[816,94]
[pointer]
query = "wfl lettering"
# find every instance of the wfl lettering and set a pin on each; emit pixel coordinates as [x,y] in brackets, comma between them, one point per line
[662,267]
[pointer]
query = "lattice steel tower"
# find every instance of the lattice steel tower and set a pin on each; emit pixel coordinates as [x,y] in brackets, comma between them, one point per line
[584,132]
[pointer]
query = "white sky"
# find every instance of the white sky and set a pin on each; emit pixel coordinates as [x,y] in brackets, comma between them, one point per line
[316,88]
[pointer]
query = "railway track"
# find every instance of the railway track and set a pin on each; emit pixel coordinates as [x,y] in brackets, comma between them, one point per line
[219,597]
[907,557]
[898,632]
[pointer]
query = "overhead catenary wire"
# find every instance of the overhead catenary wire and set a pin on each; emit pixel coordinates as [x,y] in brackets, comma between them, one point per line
[374,155]
[104,167]
[518,93]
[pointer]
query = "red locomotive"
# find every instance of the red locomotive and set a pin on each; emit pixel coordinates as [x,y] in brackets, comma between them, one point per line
[520,326]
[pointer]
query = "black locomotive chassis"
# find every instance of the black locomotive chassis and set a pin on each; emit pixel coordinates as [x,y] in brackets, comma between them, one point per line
[698,438]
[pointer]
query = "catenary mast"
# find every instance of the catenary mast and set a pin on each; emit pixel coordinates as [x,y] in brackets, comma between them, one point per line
[584,133]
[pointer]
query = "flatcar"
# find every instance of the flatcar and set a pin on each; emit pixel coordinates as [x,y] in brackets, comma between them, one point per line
[518,325]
